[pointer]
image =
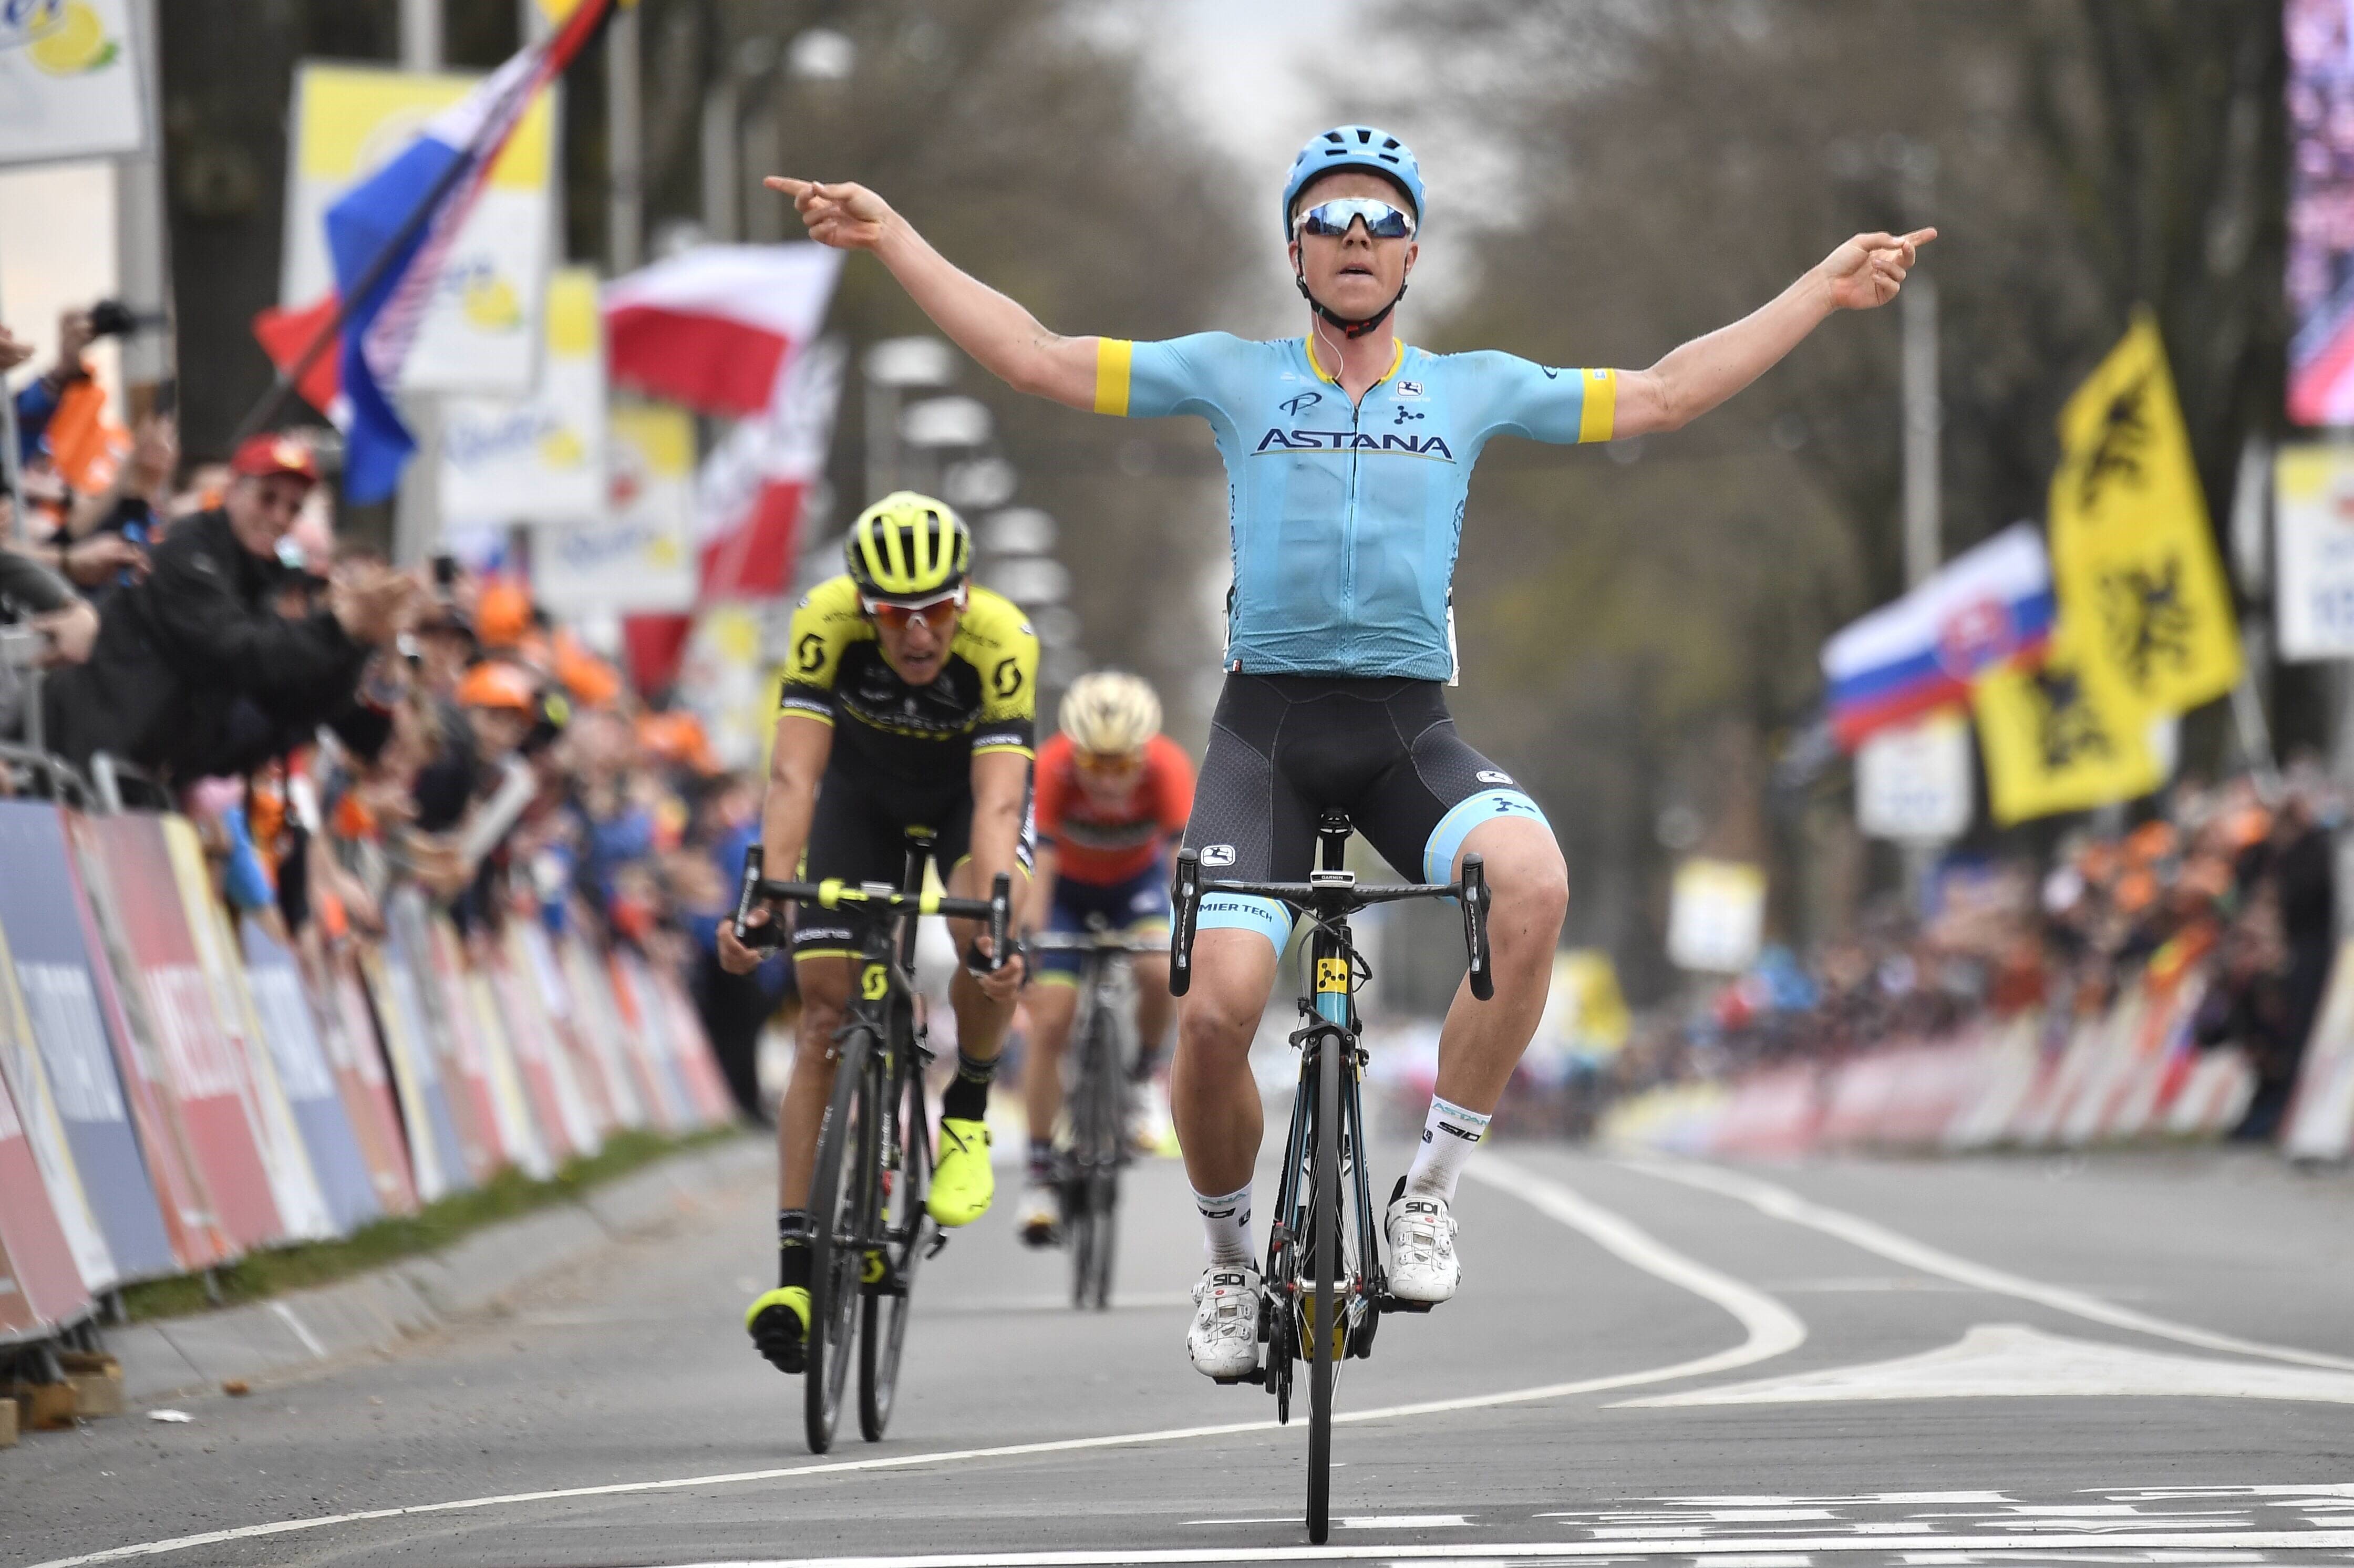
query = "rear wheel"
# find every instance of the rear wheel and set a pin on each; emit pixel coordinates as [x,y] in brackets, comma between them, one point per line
[909,1230]
[1326,1275]
[841,1211]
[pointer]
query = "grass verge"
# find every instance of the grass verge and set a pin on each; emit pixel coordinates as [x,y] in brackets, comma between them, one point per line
[259,1275]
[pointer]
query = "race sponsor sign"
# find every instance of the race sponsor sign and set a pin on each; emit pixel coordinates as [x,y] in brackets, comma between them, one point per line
[639,1102]
[481,332]
[137,903]
[348,1030]
[1716,915]
[282,1016]
[56,1187]
[1913,780]
[539,1057]
[292,1180]
[41,1287]
[639,555]
[577,1081]
[69,82]
[604,1089]
[539,458]
[2321,1121]
[649,1042]
[449,1044]
[60,971]
[2313,573]
[518,1127]
[436,1156]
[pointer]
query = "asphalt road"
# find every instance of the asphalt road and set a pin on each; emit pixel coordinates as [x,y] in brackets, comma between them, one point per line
[2138,1358]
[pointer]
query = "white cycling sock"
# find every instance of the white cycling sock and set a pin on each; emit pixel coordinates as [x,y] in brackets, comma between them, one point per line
[1450,1134]
[1227,1221]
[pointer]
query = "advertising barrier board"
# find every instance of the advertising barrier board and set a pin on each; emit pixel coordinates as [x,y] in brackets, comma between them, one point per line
[283,1018]
[41,1287]
[54,965]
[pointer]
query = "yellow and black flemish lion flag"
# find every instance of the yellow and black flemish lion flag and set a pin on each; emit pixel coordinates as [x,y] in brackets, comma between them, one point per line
[2062,736]
[2132,553]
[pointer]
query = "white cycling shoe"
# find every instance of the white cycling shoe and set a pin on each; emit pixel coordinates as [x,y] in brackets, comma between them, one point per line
[1039,1220]
[1423,1265]
[1224,1338]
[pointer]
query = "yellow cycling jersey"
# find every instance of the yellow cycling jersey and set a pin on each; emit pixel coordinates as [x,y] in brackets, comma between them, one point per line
[985,698]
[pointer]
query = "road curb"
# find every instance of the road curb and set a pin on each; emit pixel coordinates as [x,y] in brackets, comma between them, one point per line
[374,1311]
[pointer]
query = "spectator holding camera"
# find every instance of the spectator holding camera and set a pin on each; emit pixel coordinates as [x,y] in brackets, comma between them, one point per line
[195,671]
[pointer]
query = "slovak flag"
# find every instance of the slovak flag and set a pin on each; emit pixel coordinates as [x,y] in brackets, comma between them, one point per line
[1987,606]
[390,236]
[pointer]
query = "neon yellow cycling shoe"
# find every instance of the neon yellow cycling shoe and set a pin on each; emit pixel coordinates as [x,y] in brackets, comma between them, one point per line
[778,1324]
[962,1183]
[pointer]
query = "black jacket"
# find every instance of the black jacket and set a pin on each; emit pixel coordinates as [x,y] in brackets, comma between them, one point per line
[195,672]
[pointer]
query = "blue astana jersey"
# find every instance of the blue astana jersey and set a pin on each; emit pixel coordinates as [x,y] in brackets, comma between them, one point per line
[1345,520]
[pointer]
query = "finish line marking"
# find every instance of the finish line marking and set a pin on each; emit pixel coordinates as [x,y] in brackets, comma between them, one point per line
[1781,1203]
[1769,1329]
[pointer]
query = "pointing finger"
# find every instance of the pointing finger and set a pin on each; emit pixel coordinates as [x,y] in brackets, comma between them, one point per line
[791,187]
[1921,237]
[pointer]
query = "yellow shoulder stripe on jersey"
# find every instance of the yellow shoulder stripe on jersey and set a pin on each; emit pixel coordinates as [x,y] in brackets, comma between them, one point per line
[1112,358]
[1600,409]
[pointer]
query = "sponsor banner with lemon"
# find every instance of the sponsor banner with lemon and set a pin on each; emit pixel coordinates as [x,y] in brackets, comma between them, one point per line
[539,459]
[482,333]
[69,86]
[639,555]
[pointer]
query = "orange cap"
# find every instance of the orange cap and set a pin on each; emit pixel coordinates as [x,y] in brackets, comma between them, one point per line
[2151,841]
[677,737]
[592,681]
[501,615]
[497,684]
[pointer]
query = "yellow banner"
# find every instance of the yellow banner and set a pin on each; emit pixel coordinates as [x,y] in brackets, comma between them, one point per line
[2066,735]
[2132,553]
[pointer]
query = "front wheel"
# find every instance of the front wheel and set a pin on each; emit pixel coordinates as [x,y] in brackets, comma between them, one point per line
[842,1214]
[1324,1302]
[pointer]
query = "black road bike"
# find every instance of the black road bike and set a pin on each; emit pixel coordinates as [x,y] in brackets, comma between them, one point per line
[1325,1286]
[875,1147]
[1104,1046]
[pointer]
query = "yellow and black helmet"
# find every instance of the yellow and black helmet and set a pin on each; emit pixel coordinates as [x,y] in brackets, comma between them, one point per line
[908,545]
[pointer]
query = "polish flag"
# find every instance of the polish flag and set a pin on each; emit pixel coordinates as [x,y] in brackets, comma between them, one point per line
[749,496]
[714,328]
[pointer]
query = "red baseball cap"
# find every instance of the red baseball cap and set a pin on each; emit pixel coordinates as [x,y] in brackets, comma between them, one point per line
[275,452]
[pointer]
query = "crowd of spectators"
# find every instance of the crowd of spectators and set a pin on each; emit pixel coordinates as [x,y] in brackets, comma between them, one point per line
[2236,879]
[339,729]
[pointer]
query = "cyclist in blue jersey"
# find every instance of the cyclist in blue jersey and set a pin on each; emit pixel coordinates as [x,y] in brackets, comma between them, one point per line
[1348,455]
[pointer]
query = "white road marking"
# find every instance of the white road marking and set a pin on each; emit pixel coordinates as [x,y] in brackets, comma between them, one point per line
[1784,1204]
[1769,1329]
[2012,1360]
[301,1331]
[1719,1553]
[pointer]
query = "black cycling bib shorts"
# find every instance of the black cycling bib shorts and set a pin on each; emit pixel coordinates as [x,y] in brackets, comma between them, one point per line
[1284,748]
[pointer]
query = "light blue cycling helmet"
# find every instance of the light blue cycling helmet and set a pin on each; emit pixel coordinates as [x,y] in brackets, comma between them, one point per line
[1352,147]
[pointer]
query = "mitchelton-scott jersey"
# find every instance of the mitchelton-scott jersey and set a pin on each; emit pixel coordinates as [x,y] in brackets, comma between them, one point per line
[1345,520]
[888,733]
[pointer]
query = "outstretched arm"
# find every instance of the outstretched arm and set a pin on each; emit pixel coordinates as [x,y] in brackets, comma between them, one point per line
[1006,338]
[1865,272]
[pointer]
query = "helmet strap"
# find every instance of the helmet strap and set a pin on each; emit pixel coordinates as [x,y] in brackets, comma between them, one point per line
[1347,328]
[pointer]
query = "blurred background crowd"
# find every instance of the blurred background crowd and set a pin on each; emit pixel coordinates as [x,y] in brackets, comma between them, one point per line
[1642,627]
